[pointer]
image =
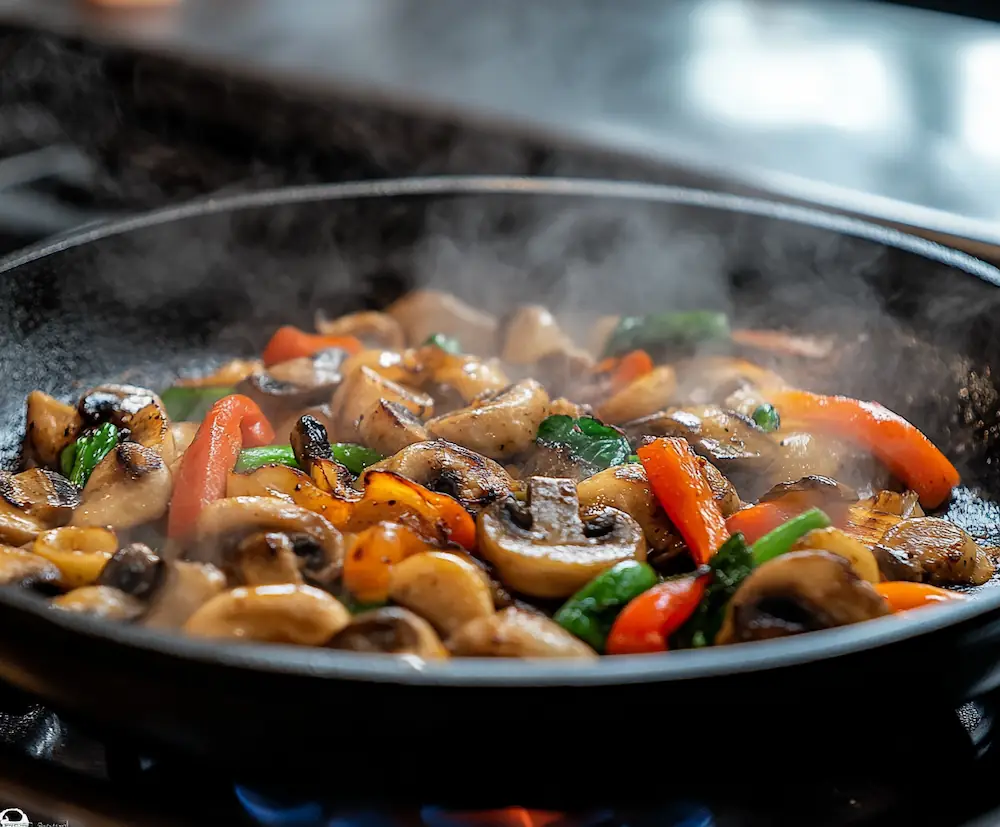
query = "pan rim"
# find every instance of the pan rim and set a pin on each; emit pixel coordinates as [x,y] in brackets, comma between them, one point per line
[481,672]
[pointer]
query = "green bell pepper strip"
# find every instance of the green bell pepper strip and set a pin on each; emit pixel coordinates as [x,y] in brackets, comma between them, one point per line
[766,417]
[590,613]
[191,404]
[446,343]
[82,456]
[781,539]
[354,457]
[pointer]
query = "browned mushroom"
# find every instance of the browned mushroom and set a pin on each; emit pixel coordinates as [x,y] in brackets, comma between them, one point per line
[32,501]
[389,427]
[422,313]
[368,326]
[641,397]
[801,591]
[390,631]
[138,410]
[129,487]
[544,548]
[184,587]
[100,601]
[19,567]
[78,553]
[942,552]
[361,391]
[296,384]
[514,633]
[51,426]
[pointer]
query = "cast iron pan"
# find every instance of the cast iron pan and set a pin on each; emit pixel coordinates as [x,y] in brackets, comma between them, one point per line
[145,298]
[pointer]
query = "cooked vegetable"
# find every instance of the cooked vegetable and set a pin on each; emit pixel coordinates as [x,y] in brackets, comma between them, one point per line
[422,313]
[647,622]
[801,591]
[515,633]
[367,325]
[544,548]
[287,613]
[78,553]
[79,459]
[375,551]
[39,493]
[360,393]
[754,521]
[587,440]
[100,601]
[390,631]
[23,568]
[231,423]
[443,588]
[837,542]
[626,369]
[131,486]
[389,427]
[675,476]
[942,552]
[667,331]
[902,597]
[190,404]
[446,343]
[645,395]
[590,612]
[291,343]
[779,540]
[907,453]
[766,416]
[134,569]
[51,426]
[184,587]
[251,458]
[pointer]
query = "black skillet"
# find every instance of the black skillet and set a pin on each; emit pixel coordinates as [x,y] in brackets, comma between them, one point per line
[145,298]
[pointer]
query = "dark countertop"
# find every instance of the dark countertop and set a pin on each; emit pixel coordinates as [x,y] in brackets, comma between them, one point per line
[874,109]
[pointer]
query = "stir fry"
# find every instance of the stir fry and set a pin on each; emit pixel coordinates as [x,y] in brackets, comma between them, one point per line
[436,482]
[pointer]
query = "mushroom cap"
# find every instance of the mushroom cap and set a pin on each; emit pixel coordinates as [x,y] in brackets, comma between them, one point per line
[392,631]
[801,591]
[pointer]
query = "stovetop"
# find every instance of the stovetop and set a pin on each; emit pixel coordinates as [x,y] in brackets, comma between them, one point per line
[55,773]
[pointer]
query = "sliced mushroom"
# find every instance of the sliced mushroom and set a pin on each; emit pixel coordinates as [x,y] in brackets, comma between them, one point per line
[514,633]
[100,601]
[310,443]
[564,407]
[295,384]
[390,631]
[78,553]
[423,313]
[474,480]
[626,488]
[388,427]
[442,588]
[17,527]
[543,548]
[40,493]
[265,559]
[498,426]
[458,375]
[707,380]
[731,442]
[184,587]
[403,367]
[19,567]
[641,397]
[723,491]
[361,391]
[812,488]
[801,591]
[945,553]
[553,461]
[129,487]
[531,333]
[868,520]
[51,426]
[368,326]
[287,613]
[837,542]
[134,569]
[234,518]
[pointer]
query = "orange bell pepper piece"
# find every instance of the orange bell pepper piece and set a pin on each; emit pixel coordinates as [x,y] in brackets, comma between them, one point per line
[368,564]
[231,424]
[290,343]
[648,620]
[903,449]
[903,596]
[757,520]
[674,474]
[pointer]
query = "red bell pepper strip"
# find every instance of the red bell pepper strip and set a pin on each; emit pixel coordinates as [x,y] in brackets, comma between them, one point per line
[290,343]
[757,520]
[903,449]
[903,596]
[649,619]
[674,474]
[629,368]
[232,423]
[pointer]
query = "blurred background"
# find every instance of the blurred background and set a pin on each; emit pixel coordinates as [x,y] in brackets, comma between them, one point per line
[886,110]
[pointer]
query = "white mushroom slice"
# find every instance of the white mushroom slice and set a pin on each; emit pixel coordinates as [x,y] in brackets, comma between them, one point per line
[286,613]
[945,553]
[514,633]
[532,333]
[369,326]
[100,601]
[390,631]
[442,588]
[23,568]
[403,367]
[497,426]
[184,588]
[626,488]
[40,493]
[80,554]
[389,427]
[51,426]
[235,517]
[138,409]
[423,313]
[645,395]
[837,542]
[545,549]
[468,376]
[129,487]
[361,391]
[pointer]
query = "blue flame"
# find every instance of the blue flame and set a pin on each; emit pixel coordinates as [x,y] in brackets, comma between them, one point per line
[676,814]
[274,813]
